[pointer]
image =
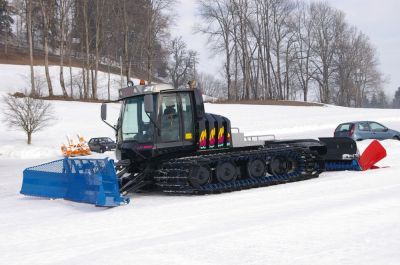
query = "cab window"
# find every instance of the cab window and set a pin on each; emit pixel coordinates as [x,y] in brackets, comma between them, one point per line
[170,124]
[136,124]
[187,114]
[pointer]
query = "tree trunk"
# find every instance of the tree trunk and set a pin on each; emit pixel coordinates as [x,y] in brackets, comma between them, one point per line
[92,83]
[69,54]
[6,40]
[108,82]
[85,15]
[149,46]
[83,87]
[81,95]
[46,46]
[228,64]
[305,92]
[278,71]
[126,42]
[236,70]
[46,65]
[121,69]
[96,70]
[99,14]
[70,80]
[29,134]
[29,29]
[62,29]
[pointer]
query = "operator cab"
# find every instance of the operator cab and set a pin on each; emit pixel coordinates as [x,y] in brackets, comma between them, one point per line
[155,119]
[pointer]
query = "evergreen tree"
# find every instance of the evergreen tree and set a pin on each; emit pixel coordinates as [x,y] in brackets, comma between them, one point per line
[365,102]
[396,100]
[382,101]
[374,101]
[5,17]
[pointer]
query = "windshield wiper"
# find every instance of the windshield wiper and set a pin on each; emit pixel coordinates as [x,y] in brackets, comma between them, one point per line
[158,128]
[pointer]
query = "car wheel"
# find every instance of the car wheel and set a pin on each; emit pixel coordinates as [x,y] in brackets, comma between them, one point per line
[102,150]
[396,138]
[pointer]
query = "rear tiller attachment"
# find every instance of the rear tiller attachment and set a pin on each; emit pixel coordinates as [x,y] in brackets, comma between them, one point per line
[342,154]
[91,181]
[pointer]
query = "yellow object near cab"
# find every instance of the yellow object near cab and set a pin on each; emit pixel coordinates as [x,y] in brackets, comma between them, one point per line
[188,136]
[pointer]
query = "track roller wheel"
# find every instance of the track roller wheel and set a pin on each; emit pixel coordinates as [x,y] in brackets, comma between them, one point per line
[256,168]
[201,175]
[282,165]
[226,172]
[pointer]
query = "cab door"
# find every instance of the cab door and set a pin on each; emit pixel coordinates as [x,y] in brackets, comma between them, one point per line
[176,120]
[188,126]
[170,121]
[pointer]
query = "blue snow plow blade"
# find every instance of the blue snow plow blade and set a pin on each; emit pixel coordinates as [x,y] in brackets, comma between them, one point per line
[91,181]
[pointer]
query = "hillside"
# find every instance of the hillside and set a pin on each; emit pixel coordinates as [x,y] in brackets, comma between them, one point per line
[20,56]
[17,78]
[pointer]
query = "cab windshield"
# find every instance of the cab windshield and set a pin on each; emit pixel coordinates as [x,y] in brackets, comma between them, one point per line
[136,124]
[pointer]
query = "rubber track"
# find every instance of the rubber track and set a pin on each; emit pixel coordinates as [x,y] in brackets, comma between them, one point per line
[173,175]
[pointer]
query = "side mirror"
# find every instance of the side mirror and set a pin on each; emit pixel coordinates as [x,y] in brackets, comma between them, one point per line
[148,103]
[104,115]
[104,111]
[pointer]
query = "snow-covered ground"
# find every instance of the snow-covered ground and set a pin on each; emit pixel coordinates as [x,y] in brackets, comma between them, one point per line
[339,218]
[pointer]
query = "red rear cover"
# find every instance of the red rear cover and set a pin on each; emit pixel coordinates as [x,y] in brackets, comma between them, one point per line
[372,155]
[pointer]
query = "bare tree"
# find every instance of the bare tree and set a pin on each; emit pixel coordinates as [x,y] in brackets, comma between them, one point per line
[303,46]
[87,48]
[63,11]
[277,48]
[327,23]
[47,9]
[192,61]
[27,113]
[178,66]
[157,21]
[100,5]
[28,4]
[281,11]
[260,26]
[212,86]
[126,40]
[218,25]
[241,10]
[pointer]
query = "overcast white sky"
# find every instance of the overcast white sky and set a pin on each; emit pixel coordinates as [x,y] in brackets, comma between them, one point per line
[380,20]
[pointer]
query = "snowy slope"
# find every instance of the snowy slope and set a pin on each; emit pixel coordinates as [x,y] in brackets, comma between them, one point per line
[15,78]
[339,218]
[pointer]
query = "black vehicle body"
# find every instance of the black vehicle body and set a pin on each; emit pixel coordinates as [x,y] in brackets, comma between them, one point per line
[101,144]
[165,140]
